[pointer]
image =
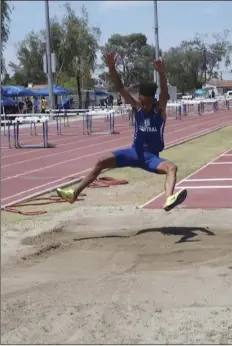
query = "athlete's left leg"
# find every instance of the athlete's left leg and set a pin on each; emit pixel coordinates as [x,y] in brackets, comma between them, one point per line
[162,166]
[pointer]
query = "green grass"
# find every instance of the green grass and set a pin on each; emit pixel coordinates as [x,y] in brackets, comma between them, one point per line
[142,185]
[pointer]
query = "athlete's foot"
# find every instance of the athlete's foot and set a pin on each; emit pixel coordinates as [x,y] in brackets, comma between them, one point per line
[174,200]
[67,195]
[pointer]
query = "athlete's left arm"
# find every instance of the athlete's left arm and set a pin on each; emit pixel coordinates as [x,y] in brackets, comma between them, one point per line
[163,96]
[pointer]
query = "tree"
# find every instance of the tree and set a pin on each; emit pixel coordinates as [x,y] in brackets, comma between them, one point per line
[75,45]
[216,52]
[184,66]
[193,62]
[58,44]
[134,61]
[5,27]
[30,56]
[81,45]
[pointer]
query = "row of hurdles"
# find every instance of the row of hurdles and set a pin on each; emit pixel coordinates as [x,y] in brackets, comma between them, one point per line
[197,107]
[89,119]
[15,122]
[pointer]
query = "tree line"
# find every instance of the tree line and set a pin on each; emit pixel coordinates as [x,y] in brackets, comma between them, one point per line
[76,44]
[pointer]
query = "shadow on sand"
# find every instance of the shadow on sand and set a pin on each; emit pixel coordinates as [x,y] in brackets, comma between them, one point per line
[186,233]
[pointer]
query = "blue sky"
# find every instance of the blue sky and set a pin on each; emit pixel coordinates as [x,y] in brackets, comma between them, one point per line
[178,20]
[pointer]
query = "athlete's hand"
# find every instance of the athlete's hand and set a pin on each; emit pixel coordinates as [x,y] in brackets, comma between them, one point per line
[159,65]
[110,59]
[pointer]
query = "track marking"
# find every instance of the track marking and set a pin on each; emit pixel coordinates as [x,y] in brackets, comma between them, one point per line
[221,163]
[102,151]
[227,155]
[184,180]
[57,180]
[79,148]
[43,185]
[206,187]
[59,140]
[169,144]
[211,179]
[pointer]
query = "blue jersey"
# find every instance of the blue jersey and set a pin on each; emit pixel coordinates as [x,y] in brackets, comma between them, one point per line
[149,131]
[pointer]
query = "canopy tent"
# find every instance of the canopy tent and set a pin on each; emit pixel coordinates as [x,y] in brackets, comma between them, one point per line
[57,91]
[65,104]
[101,94]
[5,102]
[15,91]
[200,92]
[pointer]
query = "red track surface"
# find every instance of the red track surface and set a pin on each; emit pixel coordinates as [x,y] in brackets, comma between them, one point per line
[208,188]
[29,171]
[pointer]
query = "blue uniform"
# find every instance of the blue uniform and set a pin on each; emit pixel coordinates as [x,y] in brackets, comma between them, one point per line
[148,143]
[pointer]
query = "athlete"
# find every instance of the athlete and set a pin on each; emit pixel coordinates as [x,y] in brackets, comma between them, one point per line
[148,138]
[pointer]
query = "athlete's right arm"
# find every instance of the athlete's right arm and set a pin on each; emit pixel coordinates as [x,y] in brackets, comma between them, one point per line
[110,61]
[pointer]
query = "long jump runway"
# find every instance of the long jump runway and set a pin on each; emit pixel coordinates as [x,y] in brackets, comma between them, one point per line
[26,172]
[210,187]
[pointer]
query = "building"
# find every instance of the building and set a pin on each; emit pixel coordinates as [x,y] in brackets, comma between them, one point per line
[219,86]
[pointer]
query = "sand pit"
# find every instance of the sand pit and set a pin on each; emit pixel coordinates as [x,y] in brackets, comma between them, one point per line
[119,275]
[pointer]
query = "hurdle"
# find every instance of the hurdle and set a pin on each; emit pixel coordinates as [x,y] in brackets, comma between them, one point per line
[127,113]
[195,107]
[88,122]
[16,126]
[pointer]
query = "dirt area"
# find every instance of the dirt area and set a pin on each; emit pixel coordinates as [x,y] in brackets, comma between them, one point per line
[119,275]
[104,271]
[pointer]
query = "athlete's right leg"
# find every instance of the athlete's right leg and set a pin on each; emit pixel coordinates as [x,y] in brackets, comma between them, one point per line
[71,195]
[118,159]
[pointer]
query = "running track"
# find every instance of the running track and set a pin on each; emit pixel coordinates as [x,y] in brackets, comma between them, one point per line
[210,187]
[26,172]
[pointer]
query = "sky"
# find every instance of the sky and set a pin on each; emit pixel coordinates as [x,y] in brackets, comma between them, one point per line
[178,20]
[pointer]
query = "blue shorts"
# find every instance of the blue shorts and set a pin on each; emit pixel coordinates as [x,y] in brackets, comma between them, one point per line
[130,158]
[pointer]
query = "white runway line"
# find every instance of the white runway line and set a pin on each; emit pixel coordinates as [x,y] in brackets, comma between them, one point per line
[205,187]
[184,180]
[211,179]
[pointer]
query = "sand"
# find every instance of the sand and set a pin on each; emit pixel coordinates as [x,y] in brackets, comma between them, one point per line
[118,275]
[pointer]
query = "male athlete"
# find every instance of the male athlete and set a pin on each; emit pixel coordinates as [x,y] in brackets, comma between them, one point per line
[148,138]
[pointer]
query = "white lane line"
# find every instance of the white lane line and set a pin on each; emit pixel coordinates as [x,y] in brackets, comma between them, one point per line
[211,179]
[205,187]
[38,187]
[183,180]
[76,140]
[95,153]
[59,140]
[221,163]
[79,148]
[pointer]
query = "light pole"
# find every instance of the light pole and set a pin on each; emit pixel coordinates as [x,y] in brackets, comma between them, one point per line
[48,56]
[156,32]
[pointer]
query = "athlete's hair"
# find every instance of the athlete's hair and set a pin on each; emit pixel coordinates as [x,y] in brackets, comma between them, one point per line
[147,89]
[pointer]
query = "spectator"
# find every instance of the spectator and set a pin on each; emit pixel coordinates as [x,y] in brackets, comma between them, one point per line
[43,105]
[119,100]
[36,105]
[110,100]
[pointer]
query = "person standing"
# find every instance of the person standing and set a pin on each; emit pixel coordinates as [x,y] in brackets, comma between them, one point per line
[43,105]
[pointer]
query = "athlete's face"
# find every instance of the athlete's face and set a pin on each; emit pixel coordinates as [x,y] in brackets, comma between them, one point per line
[146,102]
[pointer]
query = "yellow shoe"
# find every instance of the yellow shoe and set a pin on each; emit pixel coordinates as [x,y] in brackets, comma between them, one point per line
[174,200]
[67,195]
